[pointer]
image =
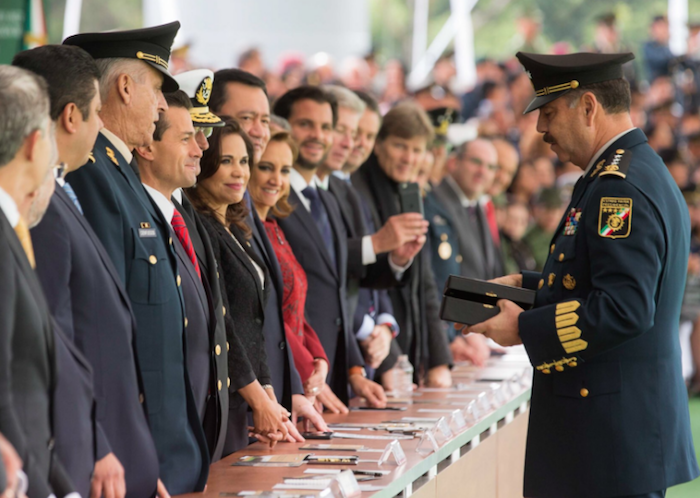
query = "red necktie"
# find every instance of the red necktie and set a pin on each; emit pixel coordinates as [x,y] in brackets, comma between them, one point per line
[184,236]
[493,225]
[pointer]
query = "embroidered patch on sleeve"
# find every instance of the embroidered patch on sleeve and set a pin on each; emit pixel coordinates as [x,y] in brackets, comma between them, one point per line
[615,217]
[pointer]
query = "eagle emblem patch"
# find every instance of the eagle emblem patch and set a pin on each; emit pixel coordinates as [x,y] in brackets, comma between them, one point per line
[615,217]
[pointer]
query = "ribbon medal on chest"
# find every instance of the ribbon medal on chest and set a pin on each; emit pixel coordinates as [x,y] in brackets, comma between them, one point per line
[572,221]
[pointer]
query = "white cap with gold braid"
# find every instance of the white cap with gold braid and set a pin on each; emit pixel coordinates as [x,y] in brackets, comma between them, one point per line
[197,84]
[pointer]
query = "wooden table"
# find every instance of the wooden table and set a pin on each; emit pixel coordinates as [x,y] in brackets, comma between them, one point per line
[483,461]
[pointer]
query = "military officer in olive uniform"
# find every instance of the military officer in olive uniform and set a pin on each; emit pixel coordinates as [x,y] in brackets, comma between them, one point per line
[134,67]
[609,414]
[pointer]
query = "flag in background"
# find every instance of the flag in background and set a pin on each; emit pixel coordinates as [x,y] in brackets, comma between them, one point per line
[34,25]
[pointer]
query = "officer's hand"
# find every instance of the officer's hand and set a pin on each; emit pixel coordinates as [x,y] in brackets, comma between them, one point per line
[398,230]
[514,280]
[404,254]
[502,328]
[370,390]
[439,376]
[108,478]
[328,399]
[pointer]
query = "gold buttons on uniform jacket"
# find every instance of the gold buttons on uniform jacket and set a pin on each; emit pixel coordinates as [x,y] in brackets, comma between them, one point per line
[223,310]
[170,241]
[152,259]
[550,279]
[584,392]
[218,350]
[459,258]
[220,385]
[540,284]
[178,280]
[561,256]
[551,249]
[228,382]
[559,368]
[546,371]
[186,322]
[141,398]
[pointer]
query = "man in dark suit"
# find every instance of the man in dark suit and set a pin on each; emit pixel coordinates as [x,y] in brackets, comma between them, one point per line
[609,413]
[83,290]
[369,260]
[471,168]
[27,348]
[137,238]
[401,144]
[316,232]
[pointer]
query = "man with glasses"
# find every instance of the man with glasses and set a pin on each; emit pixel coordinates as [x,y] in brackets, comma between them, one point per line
[472,170]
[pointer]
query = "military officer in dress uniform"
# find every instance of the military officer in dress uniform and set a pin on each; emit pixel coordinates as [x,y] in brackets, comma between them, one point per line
[134,74]
[609,414]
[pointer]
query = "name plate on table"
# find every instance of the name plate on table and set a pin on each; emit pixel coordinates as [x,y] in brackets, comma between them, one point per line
[470,300]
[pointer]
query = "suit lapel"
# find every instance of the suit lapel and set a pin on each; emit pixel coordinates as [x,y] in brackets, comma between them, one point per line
[339,241]
[302,214]
[343,203]
[462,224]
[244,257]
[268,254]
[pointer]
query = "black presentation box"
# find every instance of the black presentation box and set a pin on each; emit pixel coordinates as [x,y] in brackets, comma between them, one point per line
[470,300]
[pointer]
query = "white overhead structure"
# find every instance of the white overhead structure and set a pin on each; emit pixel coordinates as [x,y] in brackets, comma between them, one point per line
[71,18]
[678,26]
[459,28]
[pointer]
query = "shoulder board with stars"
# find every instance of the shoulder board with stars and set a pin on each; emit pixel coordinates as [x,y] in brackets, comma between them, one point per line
[617,164]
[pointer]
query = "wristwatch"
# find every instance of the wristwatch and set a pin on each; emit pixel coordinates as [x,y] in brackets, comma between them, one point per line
[357,371]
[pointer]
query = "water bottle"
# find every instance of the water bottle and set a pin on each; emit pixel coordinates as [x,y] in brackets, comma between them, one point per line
[403,377]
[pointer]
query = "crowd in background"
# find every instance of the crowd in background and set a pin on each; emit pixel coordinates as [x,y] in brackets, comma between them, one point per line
[301,277]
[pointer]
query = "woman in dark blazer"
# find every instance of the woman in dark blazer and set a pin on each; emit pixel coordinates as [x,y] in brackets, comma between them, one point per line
[218,198]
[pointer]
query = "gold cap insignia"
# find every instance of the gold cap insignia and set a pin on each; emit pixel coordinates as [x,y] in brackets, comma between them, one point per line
[204,93]
[569,282]
[110,154]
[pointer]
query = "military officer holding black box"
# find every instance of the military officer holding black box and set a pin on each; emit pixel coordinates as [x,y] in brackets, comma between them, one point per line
[609,414]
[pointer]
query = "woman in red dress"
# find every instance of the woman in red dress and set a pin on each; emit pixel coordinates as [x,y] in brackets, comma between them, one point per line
[269,189]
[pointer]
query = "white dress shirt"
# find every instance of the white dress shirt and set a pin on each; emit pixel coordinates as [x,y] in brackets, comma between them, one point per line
[9,208]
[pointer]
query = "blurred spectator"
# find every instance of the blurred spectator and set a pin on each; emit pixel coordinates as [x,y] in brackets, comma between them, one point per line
[517,254]
[690,309]
[526,182]
[677,166]
[395,85]
[657,54]
[355,74]
[251,62]
[529,26]
[507,165]
[548,210]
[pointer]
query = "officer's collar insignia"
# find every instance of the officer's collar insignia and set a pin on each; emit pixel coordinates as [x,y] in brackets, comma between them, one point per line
[572,220]
[444,250]
[145,224]
[91,157]
[204,92]
[615,217]
[110,154]
[617,164]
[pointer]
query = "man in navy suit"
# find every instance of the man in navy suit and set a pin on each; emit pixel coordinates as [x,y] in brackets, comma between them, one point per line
[84,290]
[134,74]
[609,412]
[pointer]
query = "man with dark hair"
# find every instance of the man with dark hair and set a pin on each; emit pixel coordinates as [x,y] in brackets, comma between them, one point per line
[367,129]
[401,145]
[608,399]
[27,350]
[243,96]
[657,54]
[197,85]
[70,257]
[137,238]
[316,232]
